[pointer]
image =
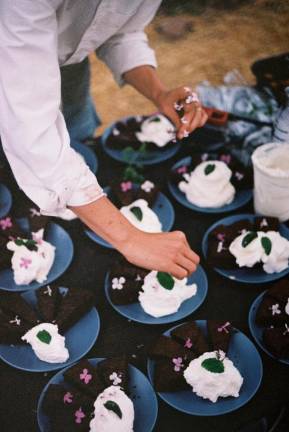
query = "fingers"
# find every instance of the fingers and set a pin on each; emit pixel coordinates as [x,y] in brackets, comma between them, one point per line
[178,272]
[188,265]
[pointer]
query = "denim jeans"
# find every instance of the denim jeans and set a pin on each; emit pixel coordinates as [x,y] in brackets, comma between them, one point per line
[77,105]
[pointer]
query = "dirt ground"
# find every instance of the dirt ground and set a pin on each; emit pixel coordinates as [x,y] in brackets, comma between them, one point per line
[220,41]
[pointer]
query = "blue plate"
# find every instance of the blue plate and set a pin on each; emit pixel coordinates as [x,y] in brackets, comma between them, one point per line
[136,313]
[79,340]
[257,331]
[162,207]
[246,275]
[144,400]
[242,197]
[245,357]
[5,200]
[149,158]
[88,155]
[59,238]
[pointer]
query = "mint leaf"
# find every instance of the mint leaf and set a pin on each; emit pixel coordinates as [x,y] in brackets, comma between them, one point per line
[267,245]
[209,169]
[155,120]
[113,406]
[249,238]
[44,336]
[29,244]
[136,211]
[166,280]
[213,365]
[131,174]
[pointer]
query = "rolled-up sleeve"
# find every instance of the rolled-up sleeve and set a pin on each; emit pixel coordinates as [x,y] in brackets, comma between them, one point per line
[32,128]
[129,48]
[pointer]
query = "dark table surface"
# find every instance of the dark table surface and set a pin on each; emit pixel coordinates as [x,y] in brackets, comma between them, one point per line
[226,299]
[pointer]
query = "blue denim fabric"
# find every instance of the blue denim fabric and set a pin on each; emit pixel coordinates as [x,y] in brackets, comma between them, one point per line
[77,105]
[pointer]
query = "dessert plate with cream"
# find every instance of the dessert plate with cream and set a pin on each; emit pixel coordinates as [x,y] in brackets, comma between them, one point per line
[142,394]
[78,341]
[245,358]
[162,215]
[5,200]
[257,330]
[208,189]
[149,157]
[57,237]
[245,274]
[135,312]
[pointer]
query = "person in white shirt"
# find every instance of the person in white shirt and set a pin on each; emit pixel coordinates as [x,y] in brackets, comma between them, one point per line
[37,38]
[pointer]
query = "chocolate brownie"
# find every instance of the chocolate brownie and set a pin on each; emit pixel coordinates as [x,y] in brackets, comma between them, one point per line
[219,334]
[266,224]
[59,397]
[85,377]
[190,336]
[168,375]
[271,312]
[12,328]
[165,347]
[48,302]
[13,303]
[114,371]
[148,191]
[276,340]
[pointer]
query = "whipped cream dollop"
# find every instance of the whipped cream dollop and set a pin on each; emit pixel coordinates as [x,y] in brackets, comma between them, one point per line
[47,344]
[142,216]
[271,180]
[156,129]
[158,300]
[269,248]
[32,259]
[208,185]
[113,411]
[211,381]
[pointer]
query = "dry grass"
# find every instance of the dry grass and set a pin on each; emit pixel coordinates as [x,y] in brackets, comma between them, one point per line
[219,43]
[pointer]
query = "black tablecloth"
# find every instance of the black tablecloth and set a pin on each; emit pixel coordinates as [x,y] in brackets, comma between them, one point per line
[226,299]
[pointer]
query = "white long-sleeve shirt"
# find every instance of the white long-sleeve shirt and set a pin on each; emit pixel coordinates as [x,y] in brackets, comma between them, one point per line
[36,37]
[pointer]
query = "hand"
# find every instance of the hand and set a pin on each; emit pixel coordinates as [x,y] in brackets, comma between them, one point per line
[167,252]
[182,100]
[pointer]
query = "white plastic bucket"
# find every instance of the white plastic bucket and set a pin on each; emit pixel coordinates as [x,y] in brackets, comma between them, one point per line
[271,180]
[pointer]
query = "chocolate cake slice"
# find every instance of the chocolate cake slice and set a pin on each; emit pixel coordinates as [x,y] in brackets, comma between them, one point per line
[114,371]
[279,291]
[48,302]
[166,348]
[276,340]
[271,312]
[219,334]
[123,193]
[122,267]
[266,224]
[59,397]
[37,221]
[71,420]
[123,291]
[12,328]
[13,303]
[75,303]
[190,336]
[148,191]
[123,134]
[85,377]
[168,375]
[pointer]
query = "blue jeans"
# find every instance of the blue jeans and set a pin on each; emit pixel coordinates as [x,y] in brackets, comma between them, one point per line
[77,105]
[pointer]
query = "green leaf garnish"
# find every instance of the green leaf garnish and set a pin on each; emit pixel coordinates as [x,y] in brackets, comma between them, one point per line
[166,280]
[155,120]
[209,169]
[249,238]
[128,154]
[29,244]
[44,336]
[213,365]
[131,174]
[143,148]
[267,245]
[113,406]
[136,211]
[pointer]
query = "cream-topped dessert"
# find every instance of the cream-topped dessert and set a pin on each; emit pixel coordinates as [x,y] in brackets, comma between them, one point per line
[156,129]
[113,411]
[208,185]
[162,294]
[269,248]
[32,259]
[47,344]
[142,216]
[213,375]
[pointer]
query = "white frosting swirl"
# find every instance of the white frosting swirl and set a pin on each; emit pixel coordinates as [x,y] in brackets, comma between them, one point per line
[253,253]
[156,129]
[211,385]
[208,190]
[32,265]
[52,352]
[108,421]
[150,221]
[158,301]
